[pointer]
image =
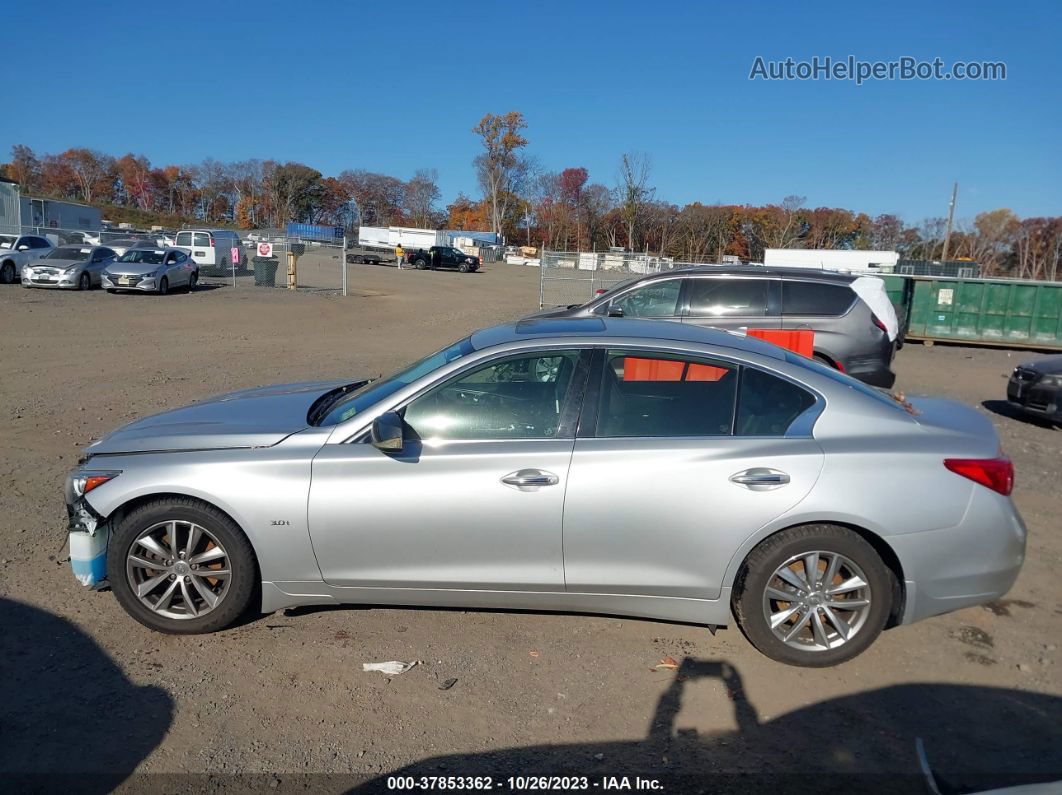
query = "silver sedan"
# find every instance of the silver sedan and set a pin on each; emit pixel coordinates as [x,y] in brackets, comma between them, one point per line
[151,269]
[599,465]
[68,267]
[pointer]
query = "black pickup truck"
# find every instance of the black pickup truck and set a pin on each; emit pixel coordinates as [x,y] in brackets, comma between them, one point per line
[443,257]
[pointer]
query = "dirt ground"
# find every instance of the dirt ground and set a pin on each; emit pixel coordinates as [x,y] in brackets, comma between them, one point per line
[281,702]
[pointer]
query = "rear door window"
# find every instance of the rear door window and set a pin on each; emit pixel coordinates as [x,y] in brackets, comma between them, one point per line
[656,299]
[768,405]
[816,298]
[728,297]
[184,239]
[202,240]
[658,394]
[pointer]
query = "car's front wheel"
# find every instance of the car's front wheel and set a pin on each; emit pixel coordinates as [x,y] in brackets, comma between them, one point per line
[7,273]
[181,566]
[815,595]
[164,286]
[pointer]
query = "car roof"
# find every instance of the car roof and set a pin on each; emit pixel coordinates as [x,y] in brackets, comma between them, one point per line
[762,270]
[589,329]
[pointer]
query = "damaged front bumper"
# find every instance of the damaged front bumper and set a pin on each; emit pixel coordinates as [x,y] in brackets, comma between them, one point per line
[89,535]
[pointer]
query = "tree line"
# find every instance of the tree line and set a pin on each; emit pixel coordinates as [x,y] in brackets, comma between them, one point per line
[530,205]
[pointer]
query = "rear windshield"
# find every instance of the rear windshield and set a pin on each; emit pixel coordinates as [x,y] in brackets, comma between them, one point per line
[79,254]
[6,241]
[147,256]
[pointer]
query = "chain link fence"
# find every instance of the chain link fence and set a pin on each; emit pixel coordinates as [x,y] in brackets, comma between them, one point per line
[574,277]
[262,262]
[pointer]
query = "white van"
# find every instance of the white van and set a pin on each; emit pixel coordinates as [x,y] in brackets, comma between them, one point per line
[212,248]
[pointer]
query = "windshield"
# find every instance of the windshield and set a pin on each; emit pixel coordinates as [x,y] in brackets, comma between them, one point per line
[6,241]
[360,399]
[79,254]
[147,256]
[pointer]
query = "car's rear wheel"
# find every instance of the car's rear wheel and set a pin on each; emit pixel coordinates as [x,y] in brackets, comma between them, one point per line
[181,566]
[164,286]
[7,273]
[420,264]
[85,282]
[815,595]
[193,281]
[826,360]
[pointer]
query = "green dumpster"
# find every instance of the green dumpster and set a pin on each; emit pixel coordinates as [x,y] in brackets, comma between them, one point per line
[900,290]
[1005,312]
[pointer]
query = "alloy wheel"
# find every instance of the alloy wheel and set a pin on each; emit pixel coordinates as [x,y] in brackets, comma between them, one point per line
[178,569]
[817,601]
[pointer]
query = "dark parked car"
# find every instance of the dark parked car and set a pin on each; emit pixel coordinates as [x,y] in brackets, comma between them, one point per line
[443,257]
[849,336]
[1036,388]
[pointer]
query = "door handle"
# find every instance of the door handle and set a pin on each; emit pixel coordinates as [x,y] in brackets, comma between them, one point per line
[760,479]
[527,479]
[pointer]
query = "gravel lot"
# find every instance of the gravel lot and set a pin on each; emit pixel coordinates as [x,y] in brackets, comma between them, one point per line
[279,702]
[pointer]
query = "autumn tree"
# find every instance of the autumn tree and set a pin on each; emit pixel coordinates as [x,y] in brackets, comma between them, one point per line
[500,168]
[421,196]
[634,190]
[24,168]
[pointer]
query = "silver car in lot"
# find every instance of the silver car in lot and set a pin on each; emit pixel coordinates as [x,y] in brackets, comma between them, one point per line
[68,267]
[151,269]
[601,465]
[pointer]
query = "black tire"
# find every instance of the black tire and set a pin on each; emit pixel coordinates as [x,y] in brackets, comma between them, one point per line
[193,281]
[164,286]
[85,282]
[420,264]
[7,273]
[826,360]
[112,292]
[464,267]
[241,560]
[760,566]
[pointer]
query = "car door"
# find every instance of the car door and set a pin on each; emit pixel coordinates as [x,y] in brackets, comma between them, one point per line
[474,499]
[819,307]
[679,459]
[201,250]
[732,302]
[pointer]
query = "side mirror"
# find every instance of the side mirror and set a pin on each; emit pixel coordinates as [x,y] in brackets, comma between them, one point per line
[23,247]
[615,311]
[387,432]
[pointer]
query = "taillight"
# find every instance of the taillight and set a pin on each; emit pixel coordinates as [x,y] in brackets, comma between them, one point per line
[600,292]
[995,473]
[878,323]
[212,242]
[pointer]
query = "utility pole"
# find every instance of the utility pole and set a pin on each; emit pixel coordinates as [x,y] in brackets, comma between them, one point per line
[951,215]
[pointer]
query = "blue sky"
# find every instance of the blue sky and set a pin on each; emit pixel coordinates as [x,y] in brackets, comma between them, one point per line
[366,85]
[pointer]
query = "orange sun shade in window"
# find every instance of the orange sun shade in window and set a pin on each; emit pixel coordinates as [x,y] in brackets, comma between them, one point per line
[802,342]
[669,370]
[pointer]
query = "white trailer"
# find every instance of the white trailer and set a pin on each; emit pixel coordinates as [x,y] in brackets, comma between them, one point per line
[844,260]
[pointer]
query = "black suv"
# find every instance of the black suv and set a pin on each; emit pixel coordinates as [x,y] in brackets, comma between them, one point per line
[848,335]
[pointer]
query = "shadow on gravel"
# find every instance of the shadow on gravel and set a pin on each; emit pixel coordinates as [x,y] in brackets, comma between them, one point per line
[69,719]
[974,738]
[1008,410]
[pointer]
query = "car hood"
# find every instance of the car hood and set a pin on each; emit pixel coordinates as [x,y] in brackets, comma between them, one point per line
[131,268]
[558,311]
[1048,364]
[258,417]
[60,264]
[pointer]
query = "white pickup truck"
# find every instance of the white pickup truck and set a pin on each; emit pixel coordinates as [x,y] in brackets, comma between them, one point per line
[18,250]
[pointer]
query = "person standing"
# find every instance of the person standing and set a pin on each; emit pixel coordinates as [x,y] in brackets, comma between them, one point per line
[400,255]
